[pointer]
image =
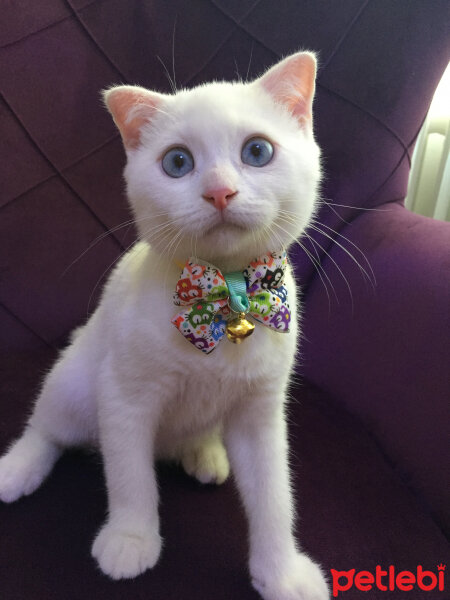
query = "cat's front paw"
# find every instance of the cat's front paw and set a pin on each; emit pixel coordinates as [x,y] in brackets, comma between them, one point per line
[301,579]
[14,480]
[125,554]
[20,475]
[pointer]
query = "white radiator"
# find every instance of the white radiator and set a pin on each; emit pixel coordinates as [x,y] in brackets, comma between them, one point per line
[429,182]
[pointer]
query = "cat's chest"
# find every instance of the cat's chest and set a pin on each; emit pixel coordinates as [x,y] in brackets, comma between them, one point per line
[208,386]
[262,355]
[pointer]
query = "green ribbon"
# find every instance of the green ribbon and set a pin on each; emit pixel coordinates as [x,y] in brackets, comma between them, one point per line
[237,289]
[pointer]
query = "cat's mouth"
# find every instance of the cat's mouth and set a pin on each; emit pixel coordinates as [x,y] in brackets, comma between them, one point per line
[224,227]
[229,223]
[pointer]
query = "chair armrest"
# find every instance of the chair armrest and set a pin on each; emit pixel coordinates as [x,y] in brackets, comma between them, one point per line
[389,360]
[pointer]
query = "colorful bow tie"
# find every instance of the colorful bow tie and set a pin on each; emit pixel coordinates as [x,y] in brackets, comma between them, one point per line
[208,295]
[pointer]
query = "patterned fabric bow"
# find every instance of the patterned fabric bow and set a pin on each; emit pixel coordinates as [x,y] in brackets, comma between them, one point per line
[202,290]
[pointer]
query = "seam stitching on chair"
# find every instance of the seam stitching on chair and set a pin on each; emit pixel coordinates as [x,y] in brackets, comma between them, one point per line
[28,327]
[59,173]
[242,18]
[388,177]
[94,40]
[33,33]
[226,38]
[415,136]
[75,162]
[88,4]
[48,26]
[370,114]
[343,37]
[27,191]
[90,152]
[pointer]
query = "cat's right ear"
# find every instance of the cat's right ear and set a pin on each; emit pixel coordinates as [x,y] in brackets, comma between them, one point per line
[131,108]
[291,82]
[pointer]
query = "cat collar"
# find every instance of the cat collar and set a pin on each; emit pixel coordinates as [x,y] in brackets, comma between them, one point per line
[209,298]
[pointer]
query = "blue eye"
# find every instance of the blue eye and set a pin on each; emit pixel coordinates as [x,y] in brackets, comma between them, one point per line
[177,162]
[257,152]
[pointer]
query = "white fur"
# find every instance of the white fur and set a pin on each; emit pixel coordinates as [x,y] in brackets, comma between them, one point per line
[129,381]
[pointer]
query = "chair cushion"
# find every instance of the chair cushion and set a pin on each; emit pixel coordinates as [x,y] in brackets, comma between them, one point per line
[354,512]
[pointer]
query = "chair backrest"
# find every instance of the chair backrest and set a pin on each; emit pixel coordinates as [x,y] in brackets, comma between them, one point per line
[62,158]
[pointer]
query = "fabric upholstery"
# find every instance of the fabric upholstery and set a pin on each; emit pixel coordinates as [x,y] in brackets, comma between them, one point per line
[384,351]
[371,486]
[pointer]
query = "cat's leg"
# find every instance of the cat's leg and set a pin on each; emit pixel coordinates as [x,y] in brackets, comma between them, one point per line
[129,541]
[26,464]
[205,458]
[256,441]
[62,417]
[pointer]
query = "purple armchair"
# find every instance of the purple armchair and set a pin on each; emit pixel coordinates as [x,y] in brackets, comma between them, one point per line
[370,423]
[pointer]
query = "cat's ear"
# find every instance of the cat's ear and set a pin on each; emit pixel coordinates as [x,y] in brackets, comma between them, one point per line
[131,107]
[292,82]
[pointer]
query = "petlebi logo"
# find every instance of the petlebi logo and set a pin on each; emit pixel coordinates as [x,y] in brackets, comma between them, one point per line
[388,579]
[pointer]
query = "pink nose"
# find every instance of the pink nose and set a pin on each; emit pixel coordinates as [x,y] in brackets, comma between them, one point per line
[219,197]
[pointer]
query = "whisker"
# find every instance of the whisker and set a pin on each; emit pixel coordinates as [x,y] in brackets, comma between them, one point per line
[160,233]
[249,63]
[320,272]
[94,243]
[105,234]
[313,241]
[288,215]
[191,243]
[274,234]
[171,83]
[359,265]
[195,246]
[316,260]
[172,242]
[335,212]
[108,268]
[260,238]
[316,263]
[255,239]
[165,238]
[236,70]
[175,244]
[328,203]
[173,53]
[373,277]
[157,231]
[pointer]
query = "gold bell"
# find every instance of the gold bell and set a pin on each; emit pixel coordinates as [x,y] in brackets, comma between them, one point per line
[239,328]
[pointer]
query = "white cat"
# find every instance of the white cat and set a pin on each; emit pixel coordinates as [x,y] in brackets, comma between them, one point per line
[225,172]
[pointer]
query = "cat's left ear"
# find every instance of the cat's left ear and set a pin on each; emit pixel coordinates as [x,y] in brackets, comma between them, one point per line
[131,108]
[292,82]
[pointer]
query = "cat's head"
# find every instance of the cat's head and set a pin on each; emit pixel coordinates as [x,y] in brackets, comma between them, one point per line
[224,170]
